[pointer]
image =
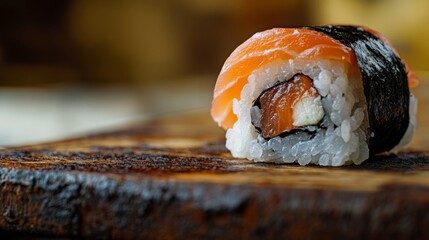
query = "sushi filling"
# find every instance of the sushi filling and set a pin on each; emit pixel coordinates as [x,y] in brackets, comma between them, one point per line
[289,106]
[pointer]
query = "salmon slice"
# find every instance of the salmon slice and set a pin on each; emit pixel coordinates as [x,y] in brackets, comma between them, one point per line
[288,106]
[263,48]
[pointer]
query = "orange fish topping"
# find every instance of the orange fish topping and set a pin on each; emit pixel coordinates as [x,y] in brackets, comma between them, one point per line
[263,48]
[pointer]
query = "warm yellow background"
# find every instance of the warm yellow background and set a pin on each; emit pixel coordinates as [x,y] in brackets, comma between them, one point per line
[70,66]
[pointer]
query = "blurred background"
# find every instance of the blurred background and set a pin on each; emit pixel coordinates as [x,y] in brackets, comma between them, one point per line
[71,67]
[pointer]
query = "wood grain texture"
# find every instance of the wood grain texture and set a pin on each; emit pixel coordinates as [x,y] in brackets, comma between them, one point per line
[172,178]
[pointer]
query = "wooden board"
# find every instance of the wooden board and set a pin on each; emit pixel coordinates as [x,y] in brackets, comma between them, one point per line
[173,178]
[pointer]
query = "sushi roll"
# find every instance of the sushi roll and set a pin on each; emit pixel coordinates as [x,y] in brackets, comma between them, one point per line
[326,95]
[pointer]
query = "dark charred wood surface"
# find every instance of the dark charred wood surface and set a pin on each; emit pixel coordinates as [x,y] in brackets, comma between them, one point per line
[172,178]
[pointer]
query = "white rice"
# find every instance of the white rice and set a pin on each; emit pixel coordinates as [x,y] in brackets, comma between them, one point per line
[344,104]
[342,141]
